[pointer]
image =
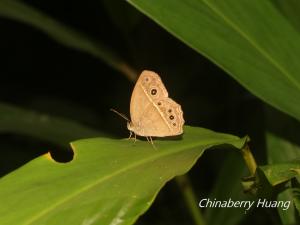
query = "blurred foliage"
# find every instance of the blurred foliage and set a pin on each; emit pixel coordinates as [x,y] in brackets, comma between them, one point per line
[44,79]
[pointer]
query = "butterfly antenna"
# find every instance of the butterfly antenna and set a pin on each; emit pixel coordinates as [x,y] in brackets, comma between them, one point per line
[120,114]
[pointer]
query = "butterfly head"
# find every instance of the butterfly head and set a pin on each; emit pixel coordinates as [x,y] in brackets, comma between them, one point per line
[130,126]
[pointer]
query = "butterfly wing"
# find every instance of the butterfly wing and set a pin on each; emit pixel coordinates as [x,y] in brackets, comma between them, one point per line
[165,119]
[152,112]
[142,98]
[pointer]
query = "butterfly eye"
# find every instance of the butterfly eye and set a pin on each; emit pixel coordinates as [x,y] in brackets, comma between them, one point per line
[174,124]
[153,92]
[171,117]
[170,110]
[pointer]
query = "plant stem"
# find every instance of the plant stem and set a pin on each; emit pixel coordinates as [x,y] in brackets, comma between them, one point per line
[128,71]
[249,159]
[190,199]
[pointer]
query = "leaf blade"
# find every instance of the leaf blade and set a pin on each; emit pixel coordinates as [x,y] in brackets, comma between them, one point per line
[110,179]
[250,48]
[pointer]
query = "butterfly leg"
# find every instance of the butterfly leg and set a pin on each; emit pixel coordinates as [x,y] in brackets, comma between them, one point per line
[151,141]
[130,135]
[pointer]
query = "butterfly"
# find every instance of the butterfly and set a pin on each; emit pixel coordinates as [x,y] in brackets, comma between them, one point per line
[152,112]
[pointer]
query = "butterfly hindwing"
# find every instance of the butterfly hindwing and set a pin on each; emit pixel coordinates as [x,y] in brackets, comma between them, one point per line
[172,113]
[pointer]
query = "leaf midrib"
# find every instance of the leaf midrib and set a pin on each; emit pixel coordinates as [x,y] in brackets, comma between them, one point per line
[116,173]
[253,43]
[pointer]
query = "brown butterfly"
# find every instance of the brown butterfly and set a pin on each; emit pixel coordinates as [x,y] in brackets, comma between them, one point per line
[152,112]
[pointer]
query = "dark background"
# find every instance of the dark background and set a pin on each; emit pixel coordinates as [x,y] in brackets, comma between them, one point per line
[40,74]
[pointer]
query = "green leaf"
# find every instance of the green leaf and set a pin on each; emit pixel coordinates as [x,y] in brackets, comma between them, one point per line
[283,181]
[280,149]
[287,216]
[280,173]
[290,9]
[56,130]
[297,200]
[281,139]
[109,181]
[251,40]
[63,34]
